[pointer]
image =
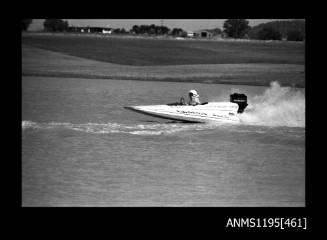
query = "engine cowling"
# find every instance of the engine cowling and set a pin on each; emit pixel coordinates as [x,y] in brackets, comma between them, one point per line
[241,99]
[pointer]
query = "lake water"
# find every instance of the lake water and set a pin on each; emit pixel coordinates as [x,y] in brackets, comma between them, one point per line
[80,147]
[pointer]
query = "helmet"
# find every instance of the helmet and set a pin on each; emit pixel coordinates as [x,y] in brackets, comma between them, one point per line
[193,92]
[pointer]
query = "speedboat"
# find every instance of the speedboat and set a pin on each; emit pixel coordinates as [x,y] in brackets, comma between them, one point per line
[205,112]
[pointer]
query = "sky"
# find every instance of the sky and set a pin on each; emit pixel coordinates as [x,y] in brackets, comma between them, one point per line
[186,24]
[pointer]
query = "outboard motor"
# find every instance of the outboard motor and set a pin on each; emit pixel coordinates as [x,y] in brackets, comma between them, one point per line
[241,99]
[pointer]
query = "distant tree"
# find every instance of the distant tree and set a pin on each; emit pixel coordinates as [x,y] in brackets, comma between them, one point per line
[295,35]
[269,33]
[55,25]
[119,30]
[184,34]
[157,30]
[164,30]
[217,31]
[177,32]
[236,28]
[284,27]
[135,29]
[26,23]
[150,29]
[143,29]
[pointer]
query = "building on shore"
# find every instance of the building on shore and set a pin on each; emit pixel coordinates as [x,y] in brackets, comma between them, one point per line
[205,33]
[101,30]
[191,34]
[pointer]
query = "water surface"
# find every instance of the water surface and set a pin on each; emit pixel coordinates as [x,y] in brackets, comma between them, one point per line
[80,147]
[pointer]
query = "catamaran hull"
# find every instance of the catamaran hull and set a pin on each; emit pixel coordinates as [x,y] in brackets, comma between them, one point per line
[165,116]
[221,112]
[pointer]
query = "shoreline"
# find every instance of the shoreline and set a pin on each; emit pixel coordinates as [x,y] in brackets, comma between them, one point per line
[140,36]
[206,80]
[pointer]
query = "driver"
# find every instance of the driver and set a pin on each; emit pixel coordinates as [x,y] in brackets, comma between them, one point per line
[194,98]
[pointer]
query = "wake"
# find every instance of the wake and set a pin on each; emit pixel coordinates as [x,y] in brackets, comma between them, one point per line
[278,106]
[109,128]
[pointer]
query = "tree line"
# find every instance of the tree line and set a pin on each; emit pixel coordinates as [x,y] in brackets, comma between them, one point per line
[276,30]
[59,25]
[150,29]
[232,28]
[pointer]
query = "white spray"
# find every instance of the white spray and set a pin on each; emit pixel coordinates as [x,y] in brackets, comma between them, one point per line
[278,106]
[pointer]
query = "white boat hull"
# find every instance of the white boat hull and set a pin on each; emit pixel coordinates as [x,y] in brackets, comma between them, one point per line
[213,111]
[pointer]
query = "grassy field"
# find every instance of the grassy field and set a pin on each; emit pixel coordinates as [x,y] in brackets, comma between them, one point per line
[251,63]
